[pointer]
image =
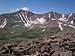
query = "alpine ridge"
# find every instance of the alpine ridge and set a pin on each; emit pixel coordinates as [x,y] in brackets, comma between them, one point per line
[27,19]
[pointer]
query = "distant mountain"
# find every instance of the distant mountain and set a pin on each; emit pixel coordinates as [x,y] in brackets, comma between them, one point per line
[27,18]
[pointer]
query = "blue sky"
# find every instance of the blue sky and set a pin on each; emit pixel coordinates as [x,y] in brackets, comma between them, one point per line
[39,6]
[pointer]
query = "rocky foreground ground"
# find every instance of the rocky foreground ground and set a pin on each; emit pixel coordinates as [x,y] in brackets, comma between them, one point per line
[46,46]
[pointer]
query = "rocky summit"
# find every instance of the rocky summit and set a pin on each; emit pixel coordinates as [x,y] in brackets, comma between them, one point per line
[46,46]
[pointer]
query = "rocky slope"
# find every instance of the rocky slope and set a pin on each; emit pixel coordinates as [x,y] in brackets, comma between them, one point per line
[46,46]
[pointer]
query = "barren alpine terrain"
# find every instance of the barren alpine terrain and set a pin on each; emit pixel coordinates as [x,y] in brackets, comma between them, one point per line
[24,33]
[47,46]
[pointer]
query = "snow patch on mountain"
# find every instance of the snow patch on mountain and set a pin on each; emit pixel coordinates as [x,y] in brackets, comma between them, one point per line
[27,24]
[17,21]
[4,23]
[41,20]
[72,22]
[70,15]
[21,18]
[49,15]
[53,19]
[63,18]
[60,25]
[71,26]
[43,30]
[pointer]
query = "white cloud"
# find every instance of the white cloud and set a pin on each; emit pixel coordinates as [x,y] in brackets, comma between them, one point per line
[24,8]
